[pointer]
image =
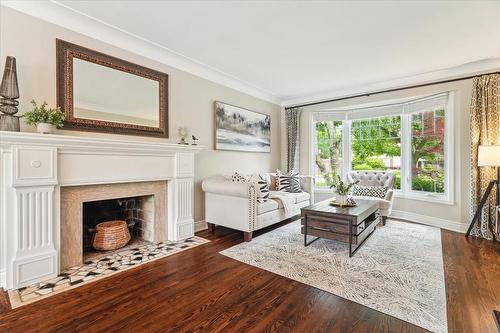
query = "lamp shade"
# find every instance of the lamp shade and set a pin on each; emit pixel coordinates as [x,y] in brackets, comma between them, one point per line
[488,155]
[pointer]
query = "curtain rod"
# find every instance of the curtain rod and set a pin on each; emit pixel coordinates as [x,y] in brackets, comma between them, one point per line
[390,90]
[409,101]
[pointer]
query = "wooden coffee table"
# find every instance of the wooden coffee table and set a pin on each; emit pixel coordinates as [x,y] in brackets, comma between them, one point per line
[352,225]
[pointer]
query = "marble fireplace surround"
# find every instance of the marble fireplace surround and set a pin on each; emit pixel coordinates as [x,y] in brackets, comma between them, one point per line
[73,197]
[35,169]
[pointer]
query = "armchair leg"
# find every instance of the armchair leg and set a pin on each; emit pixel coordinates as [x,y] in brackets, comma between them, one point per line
[211,227]
[384,219]
[247,236]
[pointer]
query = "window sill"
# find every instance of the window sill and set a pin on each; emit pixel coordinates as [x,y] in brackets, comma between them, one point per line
[425,197]
[323,190]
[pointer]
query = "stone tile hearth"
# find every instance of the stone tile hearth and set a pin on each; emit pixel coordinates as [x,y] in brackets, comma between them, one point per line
[111,262]
[93,255]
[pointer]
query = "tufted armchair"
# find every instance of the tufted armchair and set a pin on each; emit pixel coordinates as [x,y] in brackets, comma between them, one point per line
[376,178]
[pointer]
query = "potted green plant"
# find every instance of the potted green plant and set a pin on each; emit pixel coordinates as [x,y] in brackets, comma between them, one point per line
[341,189]
[44,117]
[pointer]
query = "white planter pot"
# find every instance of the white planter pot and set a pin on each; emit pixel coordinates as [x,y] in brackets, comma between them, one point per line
[43,128]
[341,199]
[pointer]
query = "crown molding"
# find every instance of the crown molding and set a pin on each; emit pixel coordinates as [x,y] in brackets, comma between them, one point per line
[61,15]
[469,69]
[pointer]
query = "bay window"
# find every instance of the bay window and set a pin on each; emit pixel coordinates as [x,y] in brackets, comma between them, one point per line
[409,139]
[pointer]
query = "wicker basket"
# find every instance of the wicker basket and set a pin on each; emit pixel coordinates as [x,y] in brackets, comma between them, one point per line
[111,235]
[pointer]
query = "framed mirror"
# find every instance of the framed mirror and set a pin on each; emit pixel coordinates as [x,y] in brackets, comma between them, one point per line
[102,93]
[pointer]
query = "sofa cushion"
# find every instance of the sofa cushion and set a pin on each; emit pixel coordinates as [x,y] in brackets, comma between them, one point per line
[369,191]
[267,206]
[301,196]
[297,197]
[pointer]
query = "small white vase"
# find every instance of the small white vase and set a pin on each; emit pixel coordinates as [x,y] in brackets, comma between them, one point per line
[43,128]
[341,199]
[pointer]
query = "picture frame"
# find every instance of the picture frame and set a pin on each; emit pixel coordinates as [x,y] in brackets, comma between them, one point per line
[240,129]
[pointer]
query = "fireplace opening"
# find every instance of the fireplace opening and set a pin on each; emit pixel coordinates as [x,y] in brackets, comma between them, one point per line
[136,212]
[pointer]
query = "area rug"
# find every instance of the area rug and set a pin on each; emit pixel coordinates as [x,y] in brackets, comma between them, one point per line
[398,271]
[98,268]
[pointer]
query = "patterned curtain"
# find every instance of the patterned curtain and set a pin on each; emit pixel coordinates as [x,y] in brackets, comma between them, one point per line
[292,116]
[484,119]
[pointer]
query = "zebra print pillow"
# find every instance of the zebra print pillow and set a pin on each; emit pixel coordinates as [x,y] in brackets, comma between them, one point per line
[289,182]
[262,187]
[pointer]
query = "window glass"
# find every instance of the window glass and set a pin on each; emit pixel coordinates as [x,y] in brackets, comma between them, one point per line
[376,145]
[328,163]
[427,151]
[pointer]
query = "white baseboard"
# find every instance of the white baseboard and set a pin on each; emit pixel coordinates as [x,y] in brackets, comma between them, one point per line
[3,278]
[200,225]
[429,220]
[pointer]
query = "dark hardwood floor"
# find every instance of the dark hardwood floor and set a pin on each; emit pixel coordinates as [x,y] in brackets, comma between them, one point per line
[202,291]
[472,277]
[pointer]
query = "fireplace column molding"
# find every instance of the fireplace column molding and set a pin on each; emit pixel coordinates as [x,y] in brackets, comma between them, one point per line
[34,167]
[181,198]
[29,233]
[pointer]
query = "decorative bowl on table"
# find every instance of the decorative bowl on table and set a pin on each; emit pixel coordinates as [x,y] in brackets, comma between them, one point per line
[348,203]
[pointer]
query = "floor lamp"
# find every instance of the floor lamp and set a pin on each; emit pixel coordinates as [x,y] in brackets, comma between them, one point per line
[487,156]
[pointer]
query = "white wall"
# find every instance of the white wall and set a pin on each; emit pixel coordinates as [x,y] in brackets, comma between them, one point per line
[455,216]
[191,99]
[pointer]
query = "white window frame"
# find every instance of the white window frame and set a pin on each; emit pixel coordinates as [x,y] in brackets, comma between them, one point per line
[406,192]
[406,136]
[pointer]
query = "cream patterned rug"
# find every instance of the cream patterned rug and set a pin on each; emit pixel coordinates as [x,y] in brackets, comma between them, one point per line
[398,271]
[101,267]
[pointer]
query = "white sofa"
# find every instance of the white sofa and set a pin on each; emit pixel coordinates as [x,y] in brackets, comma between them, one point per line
[376,178]
[234,204]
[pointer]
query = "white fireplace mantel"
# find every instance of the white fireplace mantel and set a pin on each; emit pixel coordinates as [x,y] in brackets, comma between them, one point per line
[33,168]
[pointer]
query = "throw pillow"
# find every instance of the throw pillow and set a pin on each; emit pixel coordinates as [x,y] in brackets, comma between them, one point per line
[236,177]
[288,182]
[369,191]
[262,187]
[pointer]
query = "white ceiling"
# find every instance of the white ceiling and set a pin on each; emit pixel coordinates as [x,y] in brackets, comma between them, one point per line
[295,51]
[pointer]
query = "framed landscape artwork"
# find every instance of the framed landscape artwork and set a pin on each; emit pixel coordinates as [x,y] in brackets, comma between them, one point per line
[241,129]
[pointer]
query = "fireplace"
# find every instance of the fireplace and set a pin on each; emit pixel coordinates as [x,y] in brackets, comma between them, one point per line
[47,179]
[137,212]
[142,205]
